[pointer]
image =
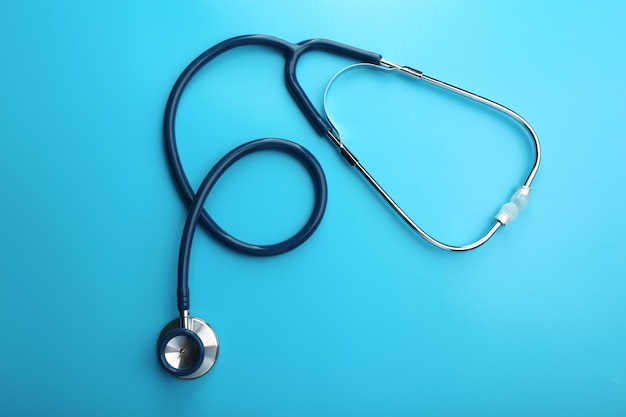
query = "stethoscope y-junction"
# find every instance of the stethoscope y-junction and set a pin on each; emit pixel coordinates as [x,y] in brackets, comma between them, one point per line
[188,346]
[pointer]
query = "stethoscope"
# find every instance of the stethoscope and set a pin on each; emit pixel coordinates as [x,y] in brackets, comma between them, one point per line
[188,346]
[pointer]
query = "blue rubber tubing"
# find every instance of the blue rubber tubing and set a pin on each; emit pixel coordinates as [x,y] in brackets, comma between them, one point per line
[196,200]
[196,209]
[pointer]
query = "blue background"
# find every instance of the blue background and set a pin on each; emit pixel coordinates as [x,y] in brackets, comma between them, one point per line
[365,319]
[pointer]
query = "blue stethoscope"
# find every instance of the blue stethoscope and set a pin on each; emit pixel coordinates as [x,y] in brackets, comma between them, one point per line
[188,347]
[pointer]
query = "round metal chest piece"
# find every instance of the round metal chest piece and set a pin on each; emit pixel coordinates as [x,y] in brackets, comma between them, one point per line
[190,352]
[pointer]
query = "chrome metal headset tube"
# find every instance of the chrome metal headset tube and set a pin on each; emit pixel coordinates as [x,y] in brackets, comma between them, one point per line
[349,156]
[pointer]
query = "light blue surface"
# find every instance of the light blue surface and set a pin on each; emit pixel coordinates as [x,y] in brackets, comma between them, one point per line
[365,319]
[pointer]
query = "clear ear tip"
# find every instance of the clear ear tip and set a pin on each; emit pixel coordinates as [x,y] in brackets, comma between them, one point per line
[509,211]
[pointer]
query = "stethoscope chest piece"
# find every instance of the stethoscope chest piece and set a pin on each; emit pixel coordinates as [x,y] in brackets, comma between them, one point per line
[189,351]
